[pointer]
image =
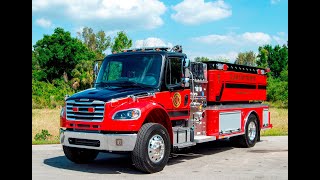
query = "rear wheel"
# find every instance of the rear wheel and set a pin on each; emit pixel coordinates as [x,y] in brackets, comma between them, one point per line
[78,155]
[251,135]
[152,149]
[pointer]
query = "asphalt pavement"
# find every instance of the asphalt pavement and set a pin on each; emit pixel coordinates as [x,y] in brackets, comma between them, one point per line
[268,159]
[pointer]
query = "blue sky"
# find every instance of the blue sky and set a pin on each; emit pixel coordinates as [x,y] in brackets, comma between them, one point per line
[210,28]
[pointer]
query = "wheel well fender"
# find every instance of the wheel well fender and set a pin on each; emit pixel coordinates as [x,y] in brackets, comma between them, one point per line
[159,115]
[247,117]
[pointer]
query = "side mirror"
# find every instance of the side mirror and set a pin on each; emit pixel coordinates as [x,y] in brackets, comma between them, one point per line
[186,63]
[186,72]
[96,69]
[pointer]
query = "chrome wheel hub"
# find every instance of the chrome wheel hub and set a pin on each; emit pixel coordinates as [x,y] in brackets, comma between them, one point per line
[156,148]
[252,131]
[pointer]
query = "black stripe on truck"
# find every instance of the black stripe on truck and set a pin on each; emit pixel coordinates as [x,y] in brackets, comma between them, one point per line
[262,87]
[242,86]
[178,113]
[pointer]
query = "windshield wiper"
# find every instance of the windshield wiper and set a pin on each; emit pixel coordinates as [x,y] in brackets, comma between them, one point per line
[103,84]
[123,84]
[127,84]
[133,83]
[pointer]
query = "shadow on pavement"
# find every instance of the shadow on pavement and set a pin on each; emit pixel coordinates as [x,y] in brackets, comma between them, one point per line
[108,163]
[105,163]
[207,148]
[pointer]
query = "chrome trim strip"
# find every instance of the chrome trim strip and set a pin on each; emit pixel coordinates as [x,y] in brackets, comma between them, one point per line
[186,144]
[107,141]
[86,111]
[80,115]
[231,135]
[83,120]
[93,102]
[233,106]
[202,138]
[97,107]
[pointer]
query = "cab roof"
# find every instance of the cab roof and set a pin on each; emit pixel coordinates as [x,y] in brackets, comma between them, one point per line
[174,51]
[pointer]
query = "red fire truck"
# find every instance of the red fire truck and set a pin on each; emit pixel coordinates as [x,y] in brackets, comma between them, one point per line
[150,102]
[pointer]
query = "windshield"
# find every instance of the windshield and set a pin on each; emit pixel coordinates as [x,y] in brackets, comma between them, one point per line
[141,70]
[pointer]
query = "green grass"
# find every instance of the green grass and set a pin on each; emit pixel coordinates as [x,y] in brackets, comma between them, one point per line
[34,142]
[274,132]
[279,120]
[48,119]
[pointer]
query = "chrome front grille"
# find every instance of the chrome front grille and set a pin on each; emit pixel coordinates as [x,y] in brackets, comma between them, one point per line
[89,110]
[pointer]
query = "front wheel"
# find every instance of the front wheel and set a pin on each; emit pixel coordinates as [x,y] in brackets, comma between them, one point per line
[250,137]
[78,155]
[152,149]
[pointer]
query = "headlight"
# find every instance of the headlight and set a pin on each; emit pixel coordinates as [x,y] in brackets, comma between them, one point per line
[129,114]
[62,112]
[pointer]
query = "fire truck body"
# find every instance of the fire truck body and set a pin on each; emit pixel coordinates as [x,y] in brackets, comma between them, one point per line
[155,101]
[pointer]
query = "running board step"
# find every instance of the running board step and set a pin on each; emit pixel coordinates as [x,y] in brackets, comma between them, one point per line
[201,139]
[183,145]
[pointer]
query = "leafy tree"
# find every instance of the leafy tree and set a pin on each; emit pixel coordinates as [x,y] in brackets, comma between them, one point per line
[37,72]
[49,95]
[89,38]
[221,59]
[103,42]
[206,59]
[263,54]
[275,58]
[201,59]
[83,75]
[59,53]
[246,58]
[97,42]
[121,41]
[277,89]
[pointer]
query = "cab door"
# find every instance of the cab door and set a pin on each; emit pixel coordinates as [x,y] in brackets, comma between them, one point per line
[179,93]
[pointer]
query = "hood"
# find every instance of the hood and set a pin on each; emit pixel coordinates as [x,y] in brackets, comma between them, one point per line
[106,94]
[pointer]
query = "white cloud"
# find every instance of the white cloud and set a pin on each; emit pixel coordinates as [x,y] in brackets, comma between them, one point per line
[116,13]
[151,42]
[274,1]
[230,55]
[45,23]
[108,33]
[229,45]
[281,33]
[78,29]
[216,39]
[112,32]
[281,38]
[257,38]
[192,12]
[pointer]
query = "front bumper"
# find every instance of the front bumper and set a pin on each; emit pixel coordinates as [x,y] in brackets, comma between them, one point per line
[108,142]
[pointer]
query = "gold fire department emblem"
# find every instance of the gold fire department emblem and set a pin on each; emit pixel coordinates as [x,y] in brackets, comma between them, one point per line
[176,100]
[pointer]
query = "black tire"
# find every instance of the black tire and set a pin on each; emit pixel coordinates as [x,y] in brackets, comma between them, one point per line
[80,156]
[140,155]
[244,141]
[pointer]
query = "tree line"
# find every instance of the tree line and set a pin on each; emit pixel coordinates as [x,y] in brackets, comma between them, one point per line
[62,64]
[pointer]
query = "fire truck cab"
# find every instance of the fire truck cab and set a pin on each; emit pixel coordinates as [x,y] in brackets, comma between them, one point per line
[151,101]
